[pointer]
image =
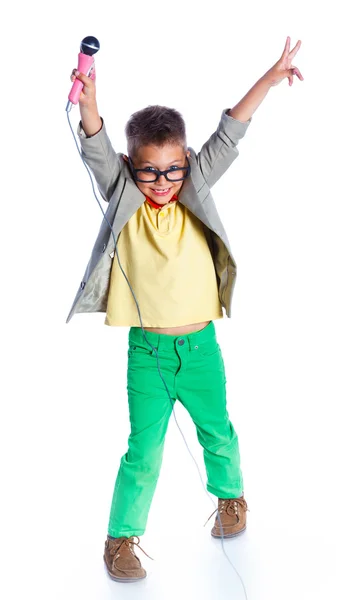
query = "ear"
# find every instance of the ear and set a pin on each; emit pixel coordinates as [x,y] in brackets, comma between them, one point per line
[188,152]
[125,158]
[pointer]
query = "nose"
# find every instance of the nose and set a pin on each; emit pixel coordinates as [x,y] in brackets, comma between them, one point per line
[161,179]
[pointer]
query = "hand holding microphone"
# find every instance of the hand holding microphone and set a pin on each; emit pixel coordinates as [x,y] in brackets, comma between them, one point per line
[89,46]
[83,90]
[87,97]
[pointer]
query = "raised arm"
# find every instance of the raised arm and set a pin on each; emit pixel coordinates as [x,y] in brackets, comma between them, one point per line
[220,150]
[97,150]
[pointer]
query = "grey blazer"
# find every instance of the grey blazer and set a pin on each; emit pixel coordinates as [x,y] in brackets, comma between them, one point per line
[118,188]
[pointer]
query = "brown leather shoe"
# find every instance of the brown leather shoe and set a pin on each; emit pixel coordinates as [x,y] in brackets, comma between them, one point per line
[232,512]
[121,561]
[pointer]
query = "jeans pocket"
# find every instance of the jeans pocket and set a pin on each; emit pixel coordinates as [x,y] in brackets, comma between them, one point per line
[206,349]
[139,350]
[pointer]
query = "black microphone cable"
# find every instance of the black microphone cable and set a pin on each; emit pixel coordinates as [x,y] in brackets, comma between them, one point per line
[153,349]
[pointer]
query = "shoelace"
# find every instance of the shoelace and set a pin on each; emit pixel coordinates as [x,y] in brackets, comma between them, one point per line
[230,506]
[127,541]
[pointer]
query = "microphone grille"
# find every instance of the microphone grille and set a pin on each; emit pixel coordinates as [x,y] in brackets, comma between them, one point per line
[90,45]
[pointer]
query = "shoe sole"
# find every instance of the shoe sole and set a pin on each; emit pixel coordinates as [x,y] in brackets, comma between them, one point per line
[123,579]
[228,535]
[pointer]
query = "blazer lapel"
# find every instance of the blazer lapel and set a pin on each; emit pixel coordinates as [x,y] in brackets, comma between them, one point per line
[191,199]
[130,202]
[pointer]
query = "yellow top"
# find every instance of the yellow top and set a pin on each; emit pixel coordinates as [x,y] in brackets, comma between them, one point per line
[166,258]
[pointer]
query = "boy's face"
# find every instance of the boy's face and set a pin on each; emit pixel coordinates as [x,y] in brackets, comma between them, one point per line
[162,159]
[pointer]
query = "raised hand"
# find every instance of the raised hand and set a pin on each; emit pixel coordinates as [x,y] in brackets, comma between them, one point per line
[284,68]
[88,94]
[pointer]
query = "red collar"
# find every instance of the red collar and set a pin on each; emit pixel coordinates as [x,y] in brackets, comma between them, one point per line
[155,205]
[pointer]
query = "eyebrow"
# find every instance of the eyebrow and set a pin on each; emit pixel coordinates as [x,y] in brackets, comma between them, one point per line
[145,162]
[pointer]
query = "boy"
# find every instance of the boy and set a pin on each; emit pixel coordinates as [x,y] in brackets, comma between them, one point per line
[176,255]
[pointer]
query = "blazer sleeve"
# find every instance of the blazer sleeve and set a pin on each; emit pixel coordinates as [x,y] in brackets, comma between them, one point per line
[101,158]
[220,150]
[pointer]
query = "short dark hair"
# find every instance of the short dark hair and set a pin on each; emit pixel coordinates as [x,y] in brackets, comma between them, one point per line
[157,125]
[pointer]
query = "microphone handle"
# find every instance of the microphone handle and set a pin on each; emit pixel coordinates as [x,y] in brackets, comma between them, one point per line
[85,65]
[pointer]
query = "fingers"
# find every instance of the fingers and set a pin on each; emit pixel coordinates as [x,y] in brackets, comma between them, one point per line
[84,78]
[73,74]
[286,47]
[290,53]
[294,71]
[297,73]
[293,52]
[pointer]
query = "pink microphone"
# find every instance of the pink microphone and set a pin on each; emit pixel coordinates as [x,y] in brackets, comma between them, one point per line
[89,46]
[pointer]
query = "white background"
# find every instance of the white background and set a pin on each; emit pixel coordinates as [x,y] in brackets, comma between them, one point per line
[64,420]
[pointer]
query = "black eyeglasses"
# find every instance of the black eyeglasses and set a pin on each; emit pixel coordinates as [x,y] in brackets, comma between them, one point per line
[150,174]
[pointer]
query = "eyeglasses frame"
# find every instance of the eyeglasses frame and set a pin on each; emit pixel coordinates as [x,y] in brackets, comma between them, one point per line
[159,173]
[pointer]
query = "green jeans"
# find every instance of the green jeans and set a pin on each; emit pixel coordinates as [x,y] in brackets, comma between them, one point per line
[193,369]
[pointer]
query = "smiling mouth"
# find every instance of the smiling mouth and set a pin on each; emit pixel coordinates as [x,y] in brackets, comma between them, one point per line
[161,191]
